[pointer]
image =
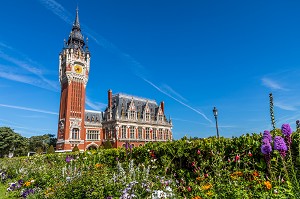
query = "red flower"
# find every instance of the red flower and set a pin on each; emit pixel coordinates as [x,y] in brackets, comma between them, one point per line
[206,175]
[250,154]
[237,157]
[198,152]
[228,160]
[189,188]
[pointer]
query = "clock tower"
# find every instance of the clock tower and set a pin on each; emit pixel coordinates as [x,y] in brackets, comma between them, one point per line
[74,66]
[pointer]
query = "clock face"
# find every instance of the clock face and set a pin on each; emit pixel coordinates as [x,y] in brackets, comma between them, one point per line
[78,69]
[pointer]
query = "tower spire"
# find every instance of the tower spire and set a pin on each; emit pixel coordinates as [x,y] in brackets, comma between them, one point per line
[76,22]
[76,40]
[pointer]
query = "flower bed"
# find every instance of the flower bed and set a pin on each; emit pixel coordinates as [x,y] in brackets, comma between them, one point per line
[249,166]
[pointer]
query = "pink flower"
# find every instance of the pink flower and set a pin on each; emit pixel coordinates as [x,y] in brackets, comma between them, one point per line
[198,152]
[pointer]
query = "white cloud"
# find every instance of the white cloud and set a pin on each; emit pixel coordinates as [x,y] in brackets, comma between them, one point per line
[272,84]
[285,106]
[29,66]
[98,106]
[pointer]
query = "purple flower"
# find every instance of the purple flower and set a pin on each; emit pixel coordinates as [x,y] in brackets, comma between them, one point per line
[68,159]
[267,136]
[286,130]
[280,145]
[20,182]
[266,148]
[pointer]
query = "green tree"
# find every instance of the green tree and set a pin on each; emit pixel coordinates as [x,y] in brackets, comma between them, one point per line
[39,150]
[51,149]
[42,141]
[11,142]
[107,145]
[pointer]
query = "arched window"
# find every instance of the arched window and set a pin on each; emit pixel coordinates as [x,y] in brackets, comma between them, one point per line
[75,133]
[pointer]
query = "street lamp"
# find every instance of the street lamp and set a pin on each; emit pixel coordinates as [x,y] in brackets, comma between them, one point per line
[215,111]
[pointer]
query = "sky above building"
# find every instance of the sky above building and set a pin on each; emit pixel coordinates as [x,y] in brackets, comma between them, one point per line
[193,55]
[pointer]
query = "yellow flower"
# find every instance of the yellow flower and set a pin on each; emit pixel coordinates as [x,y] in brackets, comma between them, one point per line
[268,185]
[197,197]
[209,193]
[27,184]
[236,174]
[206,187]
[98,165]
[199,178]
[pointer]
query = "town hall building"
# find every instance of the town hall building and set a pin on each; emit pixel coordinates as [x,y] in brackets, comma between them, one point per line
[127,120]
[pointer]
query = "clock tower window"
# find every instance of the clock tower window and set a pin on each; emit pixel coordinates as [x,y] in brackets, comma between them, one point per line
[75,134]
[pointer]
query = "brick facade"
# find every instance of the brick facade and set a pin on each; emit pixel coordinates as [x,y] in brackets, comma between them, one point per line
[127,120]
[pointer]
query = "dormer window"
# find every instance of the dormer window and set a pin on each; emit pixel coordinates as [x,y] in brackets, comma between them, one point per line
[147,116]
[160,118]
[132,115]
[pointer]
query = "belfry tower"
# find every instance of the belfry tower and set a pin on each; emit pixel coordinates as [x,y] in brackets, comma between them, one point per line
[74,66]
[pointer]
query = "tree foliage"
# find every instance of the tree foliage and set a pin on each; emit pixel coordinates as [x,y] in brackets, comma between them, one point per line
[107,145]
[11,142]
[51,149]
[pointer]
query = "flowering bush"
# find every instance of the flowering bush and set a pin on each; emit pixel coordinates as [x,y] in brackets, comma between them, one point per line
[199,168]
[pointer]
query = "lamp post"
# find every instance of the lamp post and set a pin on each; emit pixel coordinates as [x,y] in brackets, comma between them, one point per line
[215,111]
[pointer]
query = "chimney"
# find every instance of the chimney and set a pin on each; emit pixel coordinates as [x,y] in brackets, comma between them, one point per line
[162,105]
[109,92]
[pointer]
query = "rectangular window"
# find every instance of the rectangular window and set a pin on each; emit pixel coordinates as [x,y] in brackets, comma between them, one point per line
[154,134]
[123,131]
[160,134]
[147,116]
[132,132]
[92,135]
[140,130]
[147,133]
[167,134]
[75,134]
[132,115]
[160,118]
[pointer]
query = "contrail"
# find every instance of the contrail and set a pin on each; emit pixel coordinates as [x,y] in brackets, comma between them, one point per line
[29,109]
[184,104]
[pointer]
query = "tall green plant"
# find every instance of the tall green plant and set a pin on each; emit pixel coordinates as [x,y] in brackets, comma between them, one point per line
[272,112]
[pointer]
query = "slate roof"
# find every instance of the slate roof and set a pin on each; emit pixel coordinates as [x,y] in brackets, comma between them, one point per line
[93,117]
[121,103]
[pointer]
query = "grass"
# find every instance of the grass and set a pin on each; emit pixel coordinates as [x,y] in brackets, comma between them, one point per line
[3,192]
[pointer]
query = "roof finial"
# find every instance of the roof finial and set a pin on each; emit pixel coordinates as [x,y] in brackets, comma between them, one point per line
[76,22]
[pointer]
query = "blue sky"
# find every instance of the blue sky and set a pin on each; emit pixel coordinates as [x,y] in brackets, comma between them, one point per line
[193,55]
